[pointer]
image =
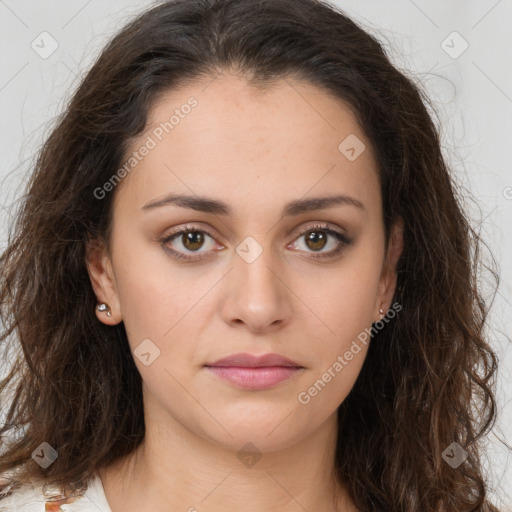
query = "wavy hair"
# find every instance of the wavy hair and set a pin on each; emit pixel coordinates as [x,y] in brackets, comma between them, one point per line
[428,377]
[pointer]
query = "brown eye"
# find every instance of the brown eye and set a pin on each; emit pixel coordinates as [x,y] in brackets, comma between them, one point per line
[192,240]
[190,244]
[316,240]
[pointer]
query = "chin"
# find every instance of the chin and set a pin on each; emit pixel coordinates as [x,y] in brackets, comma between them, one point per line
[268,435]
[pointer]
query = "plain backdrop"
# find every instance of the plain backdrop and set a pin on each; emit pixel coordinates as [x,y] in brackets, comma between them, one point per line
[458,50]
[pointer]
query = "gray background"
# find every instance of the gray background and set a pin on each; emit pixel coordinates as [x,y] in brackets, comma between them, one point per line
[472,94]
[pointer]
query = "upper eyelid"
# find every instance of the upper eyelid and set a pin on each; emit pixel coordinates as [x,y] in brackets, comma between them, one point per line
[300,231]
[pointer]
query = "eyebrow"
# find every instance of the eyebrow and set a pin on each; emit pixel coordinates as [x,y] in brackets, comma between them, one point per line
[214,206]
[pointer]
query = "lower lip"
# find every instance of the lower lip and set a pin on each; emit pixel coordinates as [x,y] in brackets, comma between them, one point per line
[254,378]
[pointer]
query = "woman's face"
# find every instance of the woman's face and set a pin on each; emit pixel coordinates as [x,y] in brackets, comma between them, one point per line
[248,260]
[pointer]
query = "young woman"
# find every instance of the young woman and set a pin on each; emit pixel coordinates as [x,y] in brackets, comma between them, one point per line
[242,280]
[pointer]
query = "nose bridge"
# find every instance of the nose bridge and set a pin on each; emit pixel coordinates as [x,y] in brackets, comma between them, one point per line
[257,292]
[256,265]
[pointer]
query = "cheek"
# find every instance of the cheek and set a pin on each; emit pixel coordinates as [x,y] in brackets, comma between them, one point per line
[341,339]
[150,300]
[343,298]
[162,302]
[344,305]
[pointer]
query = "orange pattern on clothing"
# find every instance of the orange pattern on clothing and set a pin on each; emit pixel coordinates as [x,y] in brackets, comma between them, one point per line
[54,506]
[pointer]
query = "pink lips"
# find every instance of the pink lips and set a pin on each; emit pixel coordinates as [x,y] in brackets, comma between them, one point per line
[253,372]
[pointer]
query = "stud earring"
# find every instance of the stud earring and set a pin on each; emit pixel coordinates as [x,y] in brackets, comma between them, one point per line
[104,307]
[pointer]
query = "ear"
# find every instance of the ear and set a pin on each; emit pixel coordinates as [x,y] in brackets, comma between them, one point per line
[388,279]
[101,274]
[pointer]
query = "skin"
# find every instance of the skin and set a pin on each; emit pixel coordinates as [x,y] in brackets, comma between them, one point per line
[256,150]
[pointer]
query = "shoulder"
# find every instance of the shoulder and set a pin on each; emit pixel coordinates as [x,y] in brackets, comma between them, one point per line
[35,498]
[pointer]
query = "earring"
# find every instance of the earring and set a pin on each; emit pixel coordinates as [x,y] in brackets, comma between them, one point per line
[381,313]
[104,307]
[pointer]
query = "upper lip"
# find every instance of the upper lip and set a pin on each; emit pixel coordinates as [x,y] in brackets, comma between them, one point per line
[249,360]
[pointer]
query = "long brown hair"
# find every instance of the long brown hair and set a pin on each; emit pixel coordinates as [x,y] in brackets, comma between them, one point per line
[428,375]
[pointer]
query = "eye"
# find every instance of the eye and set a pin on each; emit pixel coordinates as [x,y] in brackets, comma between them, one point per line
[316,238]
[188,240]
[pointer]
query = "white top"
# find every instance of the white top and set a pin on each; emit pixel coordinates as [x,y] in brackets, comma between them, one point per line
[29,498]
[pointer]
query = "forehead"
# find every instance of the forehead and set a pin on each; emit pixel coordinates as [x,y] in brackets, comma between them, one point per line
[222,136]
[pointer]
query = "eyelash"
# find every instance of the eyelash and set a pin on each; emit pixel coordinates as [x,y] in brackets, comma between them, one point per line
[342,239]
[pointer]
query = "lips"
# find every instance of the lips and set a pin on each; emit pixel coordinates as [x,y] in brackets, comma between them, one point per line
[254,372]
[251,361]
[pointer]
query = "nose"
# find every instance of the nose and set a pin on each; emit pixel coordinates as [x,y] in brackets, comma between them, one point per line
[256,294]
